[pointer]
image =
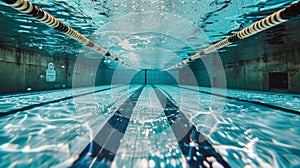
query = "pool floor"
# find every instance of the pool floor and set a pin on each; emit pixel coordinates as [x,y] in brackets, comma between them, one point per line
[149,126]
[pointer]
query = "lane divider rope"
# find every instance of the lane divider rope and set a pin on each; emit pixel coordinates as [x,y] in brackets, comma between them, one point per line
[28,8]
[272,20]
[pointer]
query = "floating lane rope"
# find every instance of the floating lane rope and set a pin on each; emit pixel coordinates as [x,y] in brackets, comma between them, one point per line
[28,8]
[272,20]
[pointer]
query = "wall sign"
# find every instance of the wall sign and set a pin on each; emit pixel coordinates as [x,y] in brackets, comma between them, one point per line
[50,73]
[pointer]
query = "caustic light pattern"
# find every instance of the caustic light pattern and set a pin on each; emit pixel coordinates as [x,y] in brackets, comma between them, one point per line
[148,125]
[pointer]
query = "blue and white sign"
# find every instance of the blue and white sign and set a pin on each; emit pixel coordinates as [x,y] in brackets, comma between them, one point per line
[50,73]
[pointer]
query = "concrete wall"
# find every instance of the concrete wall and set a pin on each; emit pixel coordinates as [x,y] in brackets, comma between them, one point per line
[126,76]
[249,64]
[207,71]
[200,76]
[22,70]
[87,72]
[255,74]
[161,77]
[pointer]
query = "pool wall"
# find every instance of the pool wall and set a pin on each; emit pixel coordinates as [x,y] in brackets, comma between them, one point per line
[268,61]
[25,70]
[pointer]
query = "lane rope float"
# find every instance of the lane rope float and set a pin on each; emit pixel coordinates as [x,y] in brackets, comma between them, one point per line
[272,20]
[28,8]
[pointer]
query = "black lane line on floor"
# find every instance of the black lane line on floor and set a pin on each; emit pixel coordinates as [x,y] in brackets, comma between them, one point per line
[97,155]
[244,100]
[26,93]
[193,144]
[2,114]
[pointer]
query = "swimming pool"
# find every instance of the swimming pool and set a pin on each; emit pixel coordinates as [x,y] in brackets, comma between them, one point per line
[150,83]
[58,134]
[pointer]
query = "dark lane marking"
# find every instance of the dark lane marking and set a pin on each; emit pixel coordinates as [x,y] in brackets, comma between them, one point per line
[197,151]
[102,150]
[244,100]
[26,93]
[2,114]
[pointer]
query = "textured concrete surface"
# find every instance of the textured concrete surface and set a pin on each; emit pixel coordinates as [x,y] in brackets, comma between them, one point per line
[249,64]
[22,70]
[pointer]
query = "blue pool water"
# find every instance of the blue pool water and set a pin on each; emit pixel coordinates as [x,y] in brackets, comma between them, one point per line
[125,122]
[46,129]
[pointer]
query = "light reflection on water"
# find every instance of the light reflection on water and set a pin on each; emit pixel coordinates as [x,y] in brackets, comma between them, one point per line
[89,17]
[244,134]
[41,134]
